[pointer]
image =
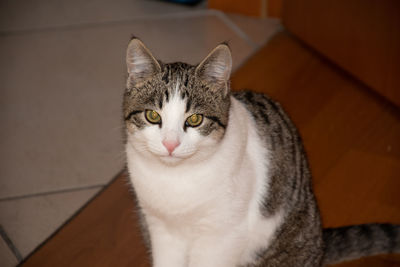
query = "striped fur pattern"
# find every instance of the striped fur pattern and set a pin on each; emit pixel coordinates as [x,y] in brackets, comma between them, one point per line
[353,242]
[298,242]
[268,216]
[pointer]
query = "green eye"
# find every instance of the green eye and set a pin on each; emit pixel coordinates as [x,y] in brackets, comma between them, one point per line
[194,120]
[153,117]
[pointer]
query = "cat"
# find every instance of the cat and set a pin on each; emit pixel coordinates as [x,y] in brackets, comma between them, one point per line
[221,178]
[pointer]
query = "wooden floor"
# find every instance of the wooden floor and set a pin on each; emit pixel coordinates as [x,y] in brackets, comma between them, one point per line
[352,137]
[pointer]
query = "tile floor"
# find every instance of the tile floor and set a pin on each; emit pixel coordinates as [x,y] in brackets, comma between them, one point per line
[62,77]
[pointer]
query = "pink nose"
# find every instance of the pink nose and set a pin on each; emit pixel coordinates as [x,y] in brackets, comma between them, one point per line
[170,145]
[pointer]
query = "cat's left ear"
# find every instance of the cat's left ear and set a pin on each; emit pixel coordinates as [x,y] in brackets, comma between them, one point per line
[140,63]
[216,68]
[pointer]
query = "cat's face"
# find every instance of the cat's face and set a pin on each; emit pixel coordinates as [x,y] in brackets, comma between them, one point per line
[175,112]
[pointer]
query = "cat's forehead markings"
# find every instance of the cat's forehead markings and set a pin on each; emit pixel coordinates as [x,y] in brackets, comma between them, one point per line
[173,112]
[174,102]
[177,87]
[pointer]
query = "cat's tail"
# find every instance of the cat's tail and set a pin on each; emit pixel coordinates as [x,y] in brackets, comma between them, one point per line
[353,242]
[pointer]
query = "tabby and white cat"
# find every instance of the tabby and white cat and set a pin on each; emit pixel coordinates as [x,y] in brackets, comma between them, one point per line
[221,178]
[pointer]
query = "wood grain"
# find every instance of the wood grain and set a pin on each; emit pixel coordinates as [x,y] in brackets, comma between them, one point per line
[361,36]
[352,137]
[104,233]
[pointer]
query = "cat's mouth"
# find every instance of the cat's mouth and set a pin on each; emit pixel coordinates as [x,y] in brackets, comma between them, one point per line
[175,157]
[171,159]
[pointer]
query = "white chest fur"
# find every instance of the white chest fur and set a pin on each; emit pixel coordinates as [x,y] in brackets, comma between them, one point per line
[202,203]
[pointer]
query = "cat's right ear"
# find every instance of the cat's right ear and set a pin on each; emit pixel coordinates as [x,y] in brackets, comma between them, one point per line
[216,68]
[141,64]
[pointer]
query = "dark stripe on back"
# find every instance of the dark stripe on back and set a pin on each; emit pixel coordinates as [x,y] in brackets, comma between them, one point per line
[278,133]
[294,147]
[262,112]
[287,126]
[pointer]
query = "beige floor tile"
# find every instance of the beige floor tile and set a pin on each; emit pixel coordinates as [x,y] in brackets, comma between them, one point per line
[29,221]
[7,258]
[17,15]
[259,30]
[60,102]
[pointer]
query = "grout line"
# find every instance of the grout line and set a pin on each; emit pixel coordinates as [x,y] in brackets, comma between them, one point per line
[74,189]
[10,244]
[236,29]
[123,173]
[182,14]
[256,47]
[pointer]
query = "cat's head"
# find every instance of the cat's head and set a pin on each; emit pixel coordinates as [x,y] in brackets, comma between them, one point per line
[176,111]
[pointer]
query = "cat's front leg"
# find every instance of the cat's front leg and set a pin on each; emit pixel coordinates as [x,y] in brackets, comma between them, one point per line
[168,249]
